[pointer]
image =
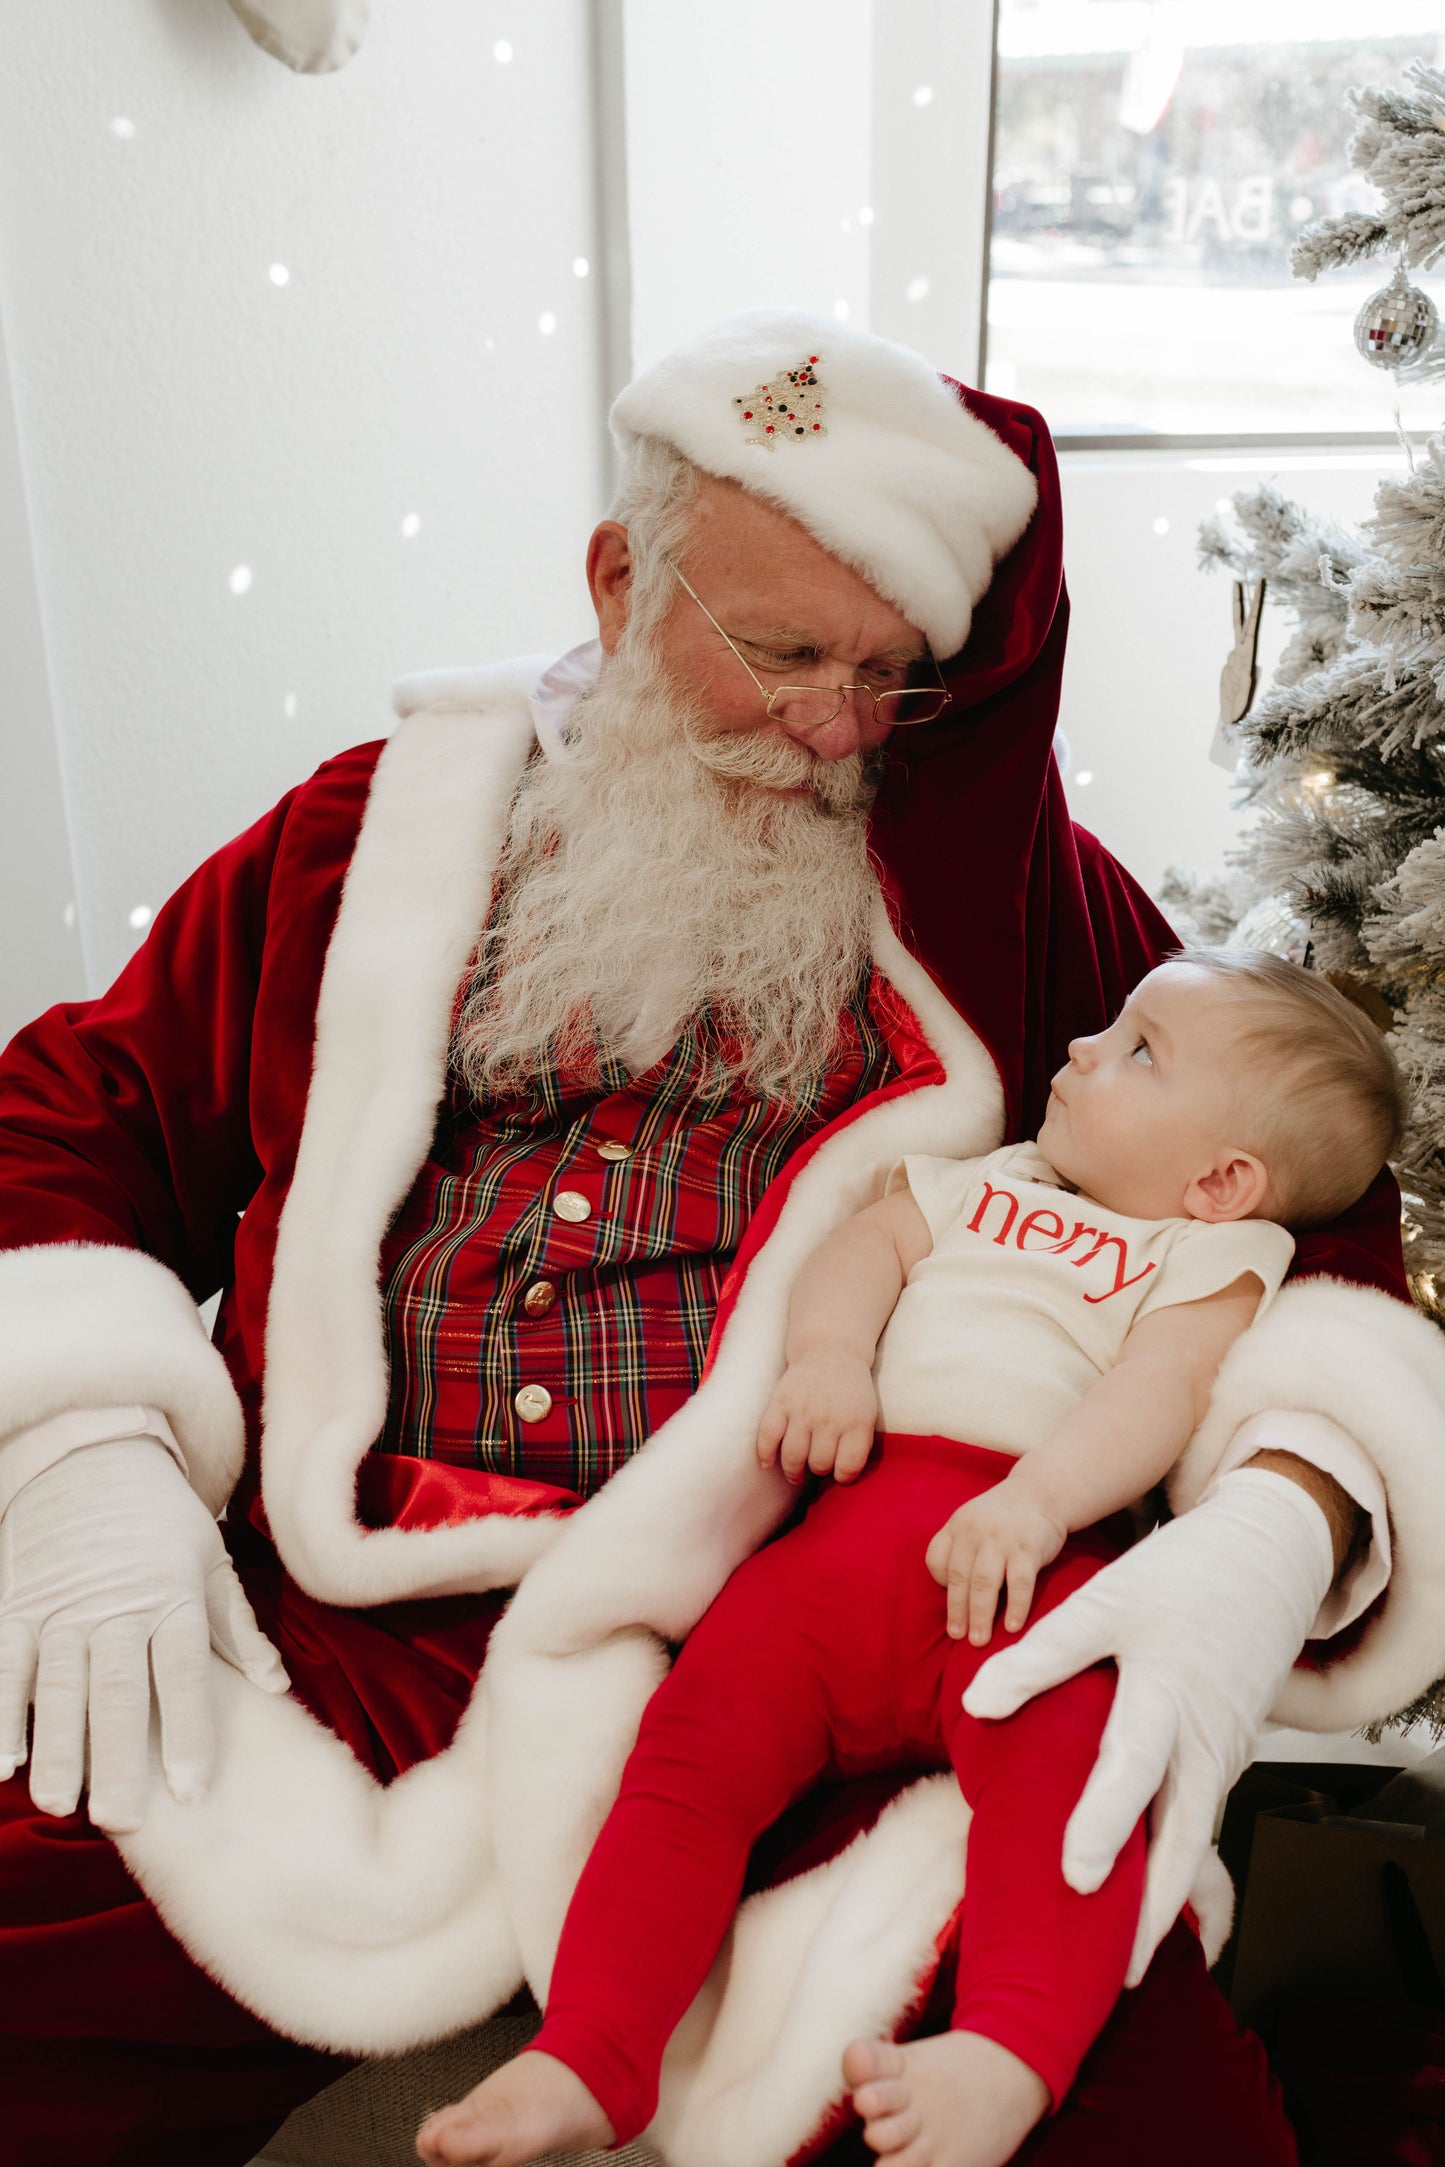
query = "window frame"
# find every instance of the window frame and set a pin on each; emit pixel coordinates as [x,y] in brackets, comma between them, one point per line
[1120,440]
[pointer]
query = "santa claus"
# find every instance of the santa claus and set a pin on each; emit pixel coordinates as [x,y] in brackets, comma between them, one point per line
[499,1080]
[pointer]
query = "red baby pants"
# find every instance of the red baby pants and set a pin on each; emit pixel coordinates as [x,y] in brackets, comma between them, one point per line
[827,1654]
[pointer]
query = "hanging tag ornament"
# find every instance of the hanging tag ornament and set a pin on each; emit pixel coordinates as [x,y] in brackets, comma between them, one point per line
[1239,676]
[1397,324]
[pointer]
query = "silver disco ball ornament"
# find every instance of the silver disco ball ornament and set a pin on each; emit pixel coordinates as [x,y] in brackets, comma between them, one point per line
[1397,324]
[1272,925]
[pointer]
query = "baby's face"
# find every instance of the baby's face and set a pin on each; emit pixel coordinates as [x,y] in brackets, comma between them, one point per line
[1143,1110]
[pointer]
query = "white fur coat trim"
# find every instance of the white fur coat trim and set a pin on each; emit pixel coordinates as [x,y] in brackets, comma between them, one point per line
[415,899]
[1377,1368]
[86,1325]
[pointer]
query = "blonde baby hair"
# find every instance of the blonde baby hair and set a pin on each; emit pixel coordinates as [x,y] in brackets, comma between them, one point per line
[1331,1107]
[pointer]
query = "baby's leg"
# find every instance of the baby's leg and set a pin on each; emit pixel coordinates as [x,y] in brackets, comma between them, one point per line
[734,1733]
[1039,1966]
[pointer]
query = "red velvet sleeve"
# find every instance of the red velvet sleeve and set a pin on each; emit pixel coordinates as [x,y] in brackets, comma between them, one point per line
[1363,1245]
[127,1119]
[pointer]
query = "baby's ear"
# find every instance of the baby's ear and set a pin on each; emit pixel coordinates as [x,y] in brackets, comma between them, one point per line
[1232,1188]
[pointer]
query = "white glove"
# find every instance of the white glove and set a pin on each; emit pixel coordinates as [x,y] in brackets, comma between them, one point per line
[1204,1618]
[112,1572]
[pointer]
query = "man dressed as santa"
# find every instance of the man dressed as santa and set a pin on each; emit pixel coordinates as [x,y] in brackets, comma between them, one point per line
[500,1080]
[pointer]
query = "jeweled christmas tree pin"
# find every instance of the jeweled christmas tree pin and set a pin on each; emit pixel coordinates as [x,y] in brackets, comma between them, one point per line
[786,409]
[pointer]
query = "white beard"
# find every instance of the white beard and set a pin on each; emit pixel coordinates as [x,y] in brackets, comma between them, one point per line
[648,877]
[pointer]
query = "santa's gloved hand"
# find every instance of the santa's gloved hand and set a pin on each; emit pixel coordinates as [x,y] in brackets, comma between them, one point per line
[112,1572]
[1204,1618]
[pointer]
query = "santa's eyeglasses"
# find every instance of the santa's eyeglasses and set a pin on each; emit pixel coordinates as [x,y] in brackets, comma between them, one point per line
[808,707]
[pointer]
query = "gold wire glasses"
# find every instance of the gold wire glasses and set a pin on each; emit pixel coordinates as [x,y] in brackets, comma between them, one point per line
[808,707]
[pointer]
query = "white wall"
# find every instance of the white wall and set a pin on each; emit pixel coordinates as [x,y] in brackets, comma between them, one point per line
[749,158]
[181,415]
[40,959]
[832,156]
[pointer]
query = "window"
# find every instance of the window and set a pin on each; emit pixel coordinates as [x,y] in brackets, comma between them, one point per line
[1153,160]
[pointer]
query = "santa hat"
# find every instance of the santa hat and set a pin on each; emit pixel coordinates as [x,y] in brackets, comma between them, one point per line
[857,439]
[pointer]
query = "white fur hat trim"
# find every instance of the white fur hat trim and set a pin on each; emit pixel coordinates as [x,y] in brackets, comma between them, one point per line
[901,482]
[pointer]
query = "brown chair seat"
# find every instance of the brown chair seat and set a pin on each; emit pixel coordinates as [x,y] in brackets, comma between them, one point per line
[369,2117]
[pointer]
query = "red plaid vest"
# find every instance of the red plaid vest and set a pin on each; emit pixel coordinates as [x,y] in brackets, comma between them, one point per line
[550,1283]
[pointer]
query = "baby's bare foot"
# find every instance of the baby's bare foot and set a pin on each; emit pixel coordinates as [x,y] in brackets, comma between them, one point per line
[959,2100]
[529,2106]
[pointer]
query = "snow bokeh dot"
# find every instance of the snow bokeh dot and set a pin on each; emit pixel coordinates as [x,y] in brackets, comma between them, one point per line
[546,323]
[411,525]
[241,578]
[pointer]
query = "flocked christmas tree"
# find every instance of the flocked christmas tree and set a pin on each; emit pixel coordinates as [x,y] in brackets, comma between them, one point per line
[1343,758]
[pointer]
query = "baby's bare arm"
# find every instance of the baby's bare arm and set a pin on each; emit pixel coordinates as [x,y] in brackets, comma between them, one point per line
[1130,1428]
[850,1285]
[821,1416]
[1122,1438]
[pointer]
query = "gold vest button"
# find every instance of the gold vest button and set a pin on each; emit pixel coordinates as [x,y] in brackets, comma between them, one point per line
[571,1204]
[607,1149]
[533,1403]
[539,1298]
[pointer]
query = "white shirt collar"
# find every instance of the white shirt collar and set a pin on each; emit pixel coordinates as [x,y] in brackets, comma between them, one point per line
[557,692]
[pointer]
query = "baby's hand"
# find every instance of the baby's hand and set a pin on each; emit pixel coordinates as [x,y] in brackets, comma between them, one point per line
[821,1417]
[1001,1536]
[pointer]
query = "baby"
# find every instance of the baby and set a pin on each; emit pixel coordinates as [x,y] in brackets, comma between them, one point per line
[989,1361]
